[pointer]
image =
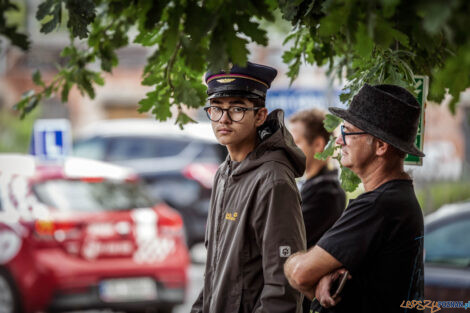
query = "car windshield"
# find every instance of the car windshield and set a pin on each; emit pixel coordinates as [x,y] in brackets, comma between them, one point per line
[124,148]
[92,196]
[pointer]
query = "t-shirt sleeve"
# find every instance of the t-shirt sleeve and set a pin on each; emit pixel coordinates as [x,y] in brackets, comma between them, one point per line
[356,234]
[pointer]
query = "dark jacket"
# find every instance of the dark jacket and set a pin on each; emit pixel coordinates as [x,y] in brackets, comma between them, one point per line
[254,224]
[323,202]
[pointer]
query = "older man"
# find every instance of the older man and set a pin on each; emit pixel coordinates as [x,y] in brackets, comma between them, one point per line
[378,239]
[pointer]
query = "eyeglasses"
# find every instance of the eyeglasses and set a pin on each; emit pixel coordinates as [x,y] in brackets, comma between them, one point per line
[235,114]
[343,134]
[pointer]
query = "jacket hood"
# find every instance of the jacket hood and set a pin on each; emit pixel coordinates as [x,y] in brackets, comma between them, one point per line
[275,143]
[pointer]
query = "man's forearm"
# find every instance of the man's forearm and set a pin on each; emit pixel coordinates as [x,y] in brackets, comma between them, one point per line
[304,269]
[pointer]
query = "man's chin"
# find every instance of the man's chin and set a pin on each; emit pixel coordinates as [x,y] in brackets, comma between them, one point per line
[346,163]
[223,141]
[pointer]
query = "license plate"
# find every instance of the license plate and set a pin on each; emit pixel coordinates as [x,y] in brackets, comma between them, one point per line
[128,289]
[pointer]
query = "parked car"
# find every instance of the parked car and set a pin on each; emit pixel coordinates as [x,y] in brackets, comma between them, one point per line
[84,235]
[447,254]
[178,165]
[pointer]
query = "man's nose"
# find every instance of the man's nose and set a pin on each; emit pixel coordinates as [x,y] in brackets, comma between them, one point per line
[225,119]
[339,140]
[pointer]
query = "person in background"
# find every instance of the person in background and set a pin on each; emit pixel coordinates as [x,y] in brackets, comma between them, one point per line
[323,199]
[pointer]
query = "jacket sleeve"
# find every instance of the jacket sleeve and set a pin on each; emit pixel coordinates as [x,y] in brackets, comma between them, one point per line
[197,306]
[280,232]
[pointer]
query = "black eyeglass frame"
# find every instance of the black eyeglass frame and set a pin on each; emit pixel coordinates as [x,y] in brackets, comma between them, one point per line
[228,113]
[343,134]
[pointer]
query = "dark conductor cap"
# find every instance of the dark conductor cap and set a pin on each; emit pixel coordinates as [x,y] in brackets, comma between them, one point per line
[251,81]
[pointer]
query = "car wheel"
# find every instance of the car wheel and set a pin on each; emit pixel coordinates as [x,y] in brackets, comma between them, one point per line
[9,300]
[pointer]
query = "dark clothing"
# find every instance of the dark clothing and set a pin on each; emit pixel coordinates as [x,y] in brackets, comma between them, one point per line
[323,201]
[379,239]
[254,224]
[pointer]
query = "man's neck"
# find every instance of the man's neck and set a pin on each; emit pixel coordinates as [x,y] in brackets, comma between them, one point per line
[238,153]
[379,173]
[314,167]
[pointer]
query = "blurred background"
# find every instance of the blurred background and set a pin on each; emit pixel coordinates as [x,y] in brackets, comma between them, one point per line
[176,166]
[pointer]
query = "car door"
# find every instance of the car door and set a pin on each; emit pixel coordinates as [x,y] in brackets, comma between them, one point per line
[447,259]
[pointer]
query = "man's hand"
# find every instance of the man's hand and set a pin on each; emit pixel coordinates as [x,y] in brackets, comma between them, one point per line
[323,290]
[303,270]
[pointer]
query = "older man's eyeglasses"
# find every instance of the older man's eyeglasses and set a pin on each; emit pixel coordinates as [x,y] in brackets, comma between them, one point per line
[235,114]
[344,134]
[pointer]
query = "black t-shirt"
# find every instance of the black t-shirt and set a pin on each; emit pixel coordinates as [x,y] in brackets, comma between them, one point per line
[379,239]
[323,201]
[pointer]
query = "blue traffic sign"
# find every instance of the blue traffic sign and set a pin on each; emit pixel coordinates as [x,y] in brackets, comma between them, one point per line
[51,139]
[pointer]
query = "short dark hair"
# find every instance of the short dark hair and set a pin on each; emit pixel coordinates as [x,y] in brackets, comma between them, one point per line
[257,102]
[313,122]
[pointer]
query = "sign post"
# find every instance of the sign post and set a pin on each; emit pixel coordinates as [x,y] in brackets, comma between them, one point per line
[421,89]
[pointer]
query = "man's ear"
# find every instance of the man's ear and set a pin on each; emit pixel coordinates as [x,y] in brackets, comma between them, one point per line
[381,147]
[261,116]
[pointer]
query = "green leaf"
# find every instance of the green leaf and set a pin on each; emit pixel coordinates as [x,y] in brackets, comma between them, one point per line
[45,9]
[328,150]
[217,55]
[51,13]
[236,49]
[37,78]
[252,30]
[290,9]
[185,93]
[159,102]
[154,14]
[17,39]
[183,119]
[98,79]
[364,44]
[349,180]
[64,96]
[389,7]
[197,24]
[148,102]
[81,14]
[436,15]
[331,122]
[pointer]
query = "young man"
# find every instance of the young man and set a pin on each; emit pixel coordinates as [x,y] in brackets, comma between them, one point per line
[254,222]
[323,199]
[378,239]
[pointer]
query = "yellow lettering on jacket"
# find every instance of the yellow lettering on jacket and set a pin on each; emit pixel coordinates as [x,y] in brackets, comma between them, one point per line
[231,216]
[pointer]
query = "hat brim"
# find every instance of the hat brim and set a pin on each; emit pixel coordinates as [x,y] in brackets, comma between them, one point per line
[376,132]
[228,94]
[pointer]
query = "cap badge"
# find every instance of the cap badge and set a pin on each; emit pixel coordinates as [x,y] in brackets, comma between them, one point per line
[225,80]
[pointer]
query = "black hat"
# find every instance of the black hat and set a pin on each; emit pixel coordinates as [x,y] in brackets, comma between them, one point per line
[251,81]
[388,112]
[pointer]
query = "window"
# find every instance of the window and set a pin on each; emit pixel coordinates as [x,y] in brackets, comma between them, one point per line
[93,148]
[449,244]
[212,153]
[81,196]
[131,148]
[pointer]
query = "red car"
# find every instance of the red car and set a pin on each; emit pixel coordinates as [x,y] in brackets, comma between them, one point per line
[84,235]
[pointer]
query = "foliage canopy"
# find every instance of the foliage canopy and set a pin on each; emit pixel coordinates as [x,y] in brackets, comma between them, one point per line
[365,41]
